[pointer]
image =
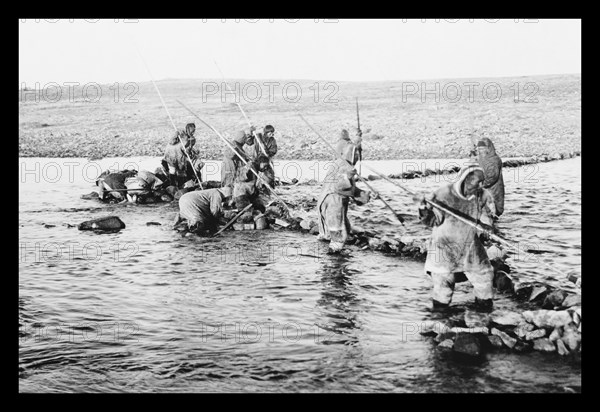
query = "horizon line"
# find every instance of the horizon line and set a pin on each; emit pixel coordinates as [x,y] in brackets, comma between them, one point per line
[330,80]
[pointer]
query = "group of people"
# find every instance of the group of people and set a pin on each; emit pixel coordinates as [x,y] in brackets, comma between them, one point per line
[247,175]
[454,247]
[179,172]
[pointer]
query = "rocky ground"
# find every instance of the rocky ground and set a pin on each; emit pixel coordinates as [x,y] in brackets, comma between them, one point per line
[524,116]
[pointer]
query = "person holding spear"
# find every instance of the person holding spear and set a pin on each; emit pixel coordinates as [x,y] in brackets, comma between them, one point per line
[455,247]
[181,161]
[248,166]
[266,145]
[338,188]
[232,160]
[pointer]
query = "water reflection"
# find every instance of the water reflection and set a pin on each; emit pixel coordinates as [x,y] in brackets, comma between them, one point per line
[339,303]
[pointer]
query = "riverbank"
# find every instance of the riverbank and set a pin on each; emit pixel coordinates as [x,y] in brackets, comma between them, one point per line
[531,115]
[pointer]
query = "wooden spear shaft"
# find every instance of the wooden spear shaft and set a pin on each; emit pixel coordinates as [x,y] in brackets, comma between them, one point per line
[239,156]
[170,118]
[400,219]
[246,117]
[232,220]
[476,225]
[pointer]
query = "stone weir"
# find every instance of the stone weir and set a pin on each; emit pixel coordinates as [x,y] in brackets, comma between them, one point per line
[551,322]
[416,174]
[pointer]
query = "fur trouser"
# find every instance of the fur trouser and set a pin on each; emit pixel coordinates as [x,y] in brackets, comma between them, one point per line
[443,285]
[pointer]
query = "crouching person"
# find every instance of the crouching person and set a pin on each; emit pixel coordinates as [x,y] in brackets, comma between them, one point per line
[455,246]
[142,186]
[201,209]
[111,185]
[338,188]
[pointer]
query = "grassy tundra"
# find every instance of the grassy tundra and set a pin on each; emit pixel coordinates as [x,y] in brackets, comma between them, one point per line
[524,116]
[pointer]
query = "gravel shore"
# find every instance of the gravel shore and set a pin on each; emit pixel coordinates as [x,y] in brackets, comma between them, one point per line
[534,115]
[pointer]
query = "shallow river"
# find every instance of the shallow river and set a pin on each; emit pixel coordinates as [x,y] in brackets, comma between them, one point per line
[145,310]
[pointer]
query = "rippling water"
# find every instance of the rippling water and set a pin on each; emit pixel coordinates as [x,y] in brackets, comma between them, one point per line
[146,310]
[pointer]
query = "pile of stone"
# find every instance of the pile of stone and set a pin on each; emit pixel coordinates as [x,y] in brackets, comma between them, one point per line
[413,247]
[551,331]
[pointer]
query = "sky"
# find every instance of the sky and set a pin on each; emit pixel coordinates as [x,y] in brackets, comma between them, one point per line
[108,51]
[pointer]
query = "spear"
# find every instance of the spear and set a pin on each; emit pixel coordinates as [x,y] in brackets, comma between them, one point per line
[360,132]
[239,156]
[400,218]
[260,143]
[170,118]
[465,219]
[232,220]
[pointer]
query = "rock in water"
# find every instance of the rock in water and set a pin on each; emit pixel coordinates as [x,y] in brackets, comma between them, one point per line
[109,223]
[468,344]
[573,299]
[480,329]
[562,349]
[571,337]
[555,335]
[538,293]
[535,334]
[446,344]
[573,276]
[543,345]
[502,282]
[433,327]
[547,318]
[508,340]
[506,317]
[575,316]
[554,299]
[306,224]
[495,341]
[523,290]
[476,319]
[523,328]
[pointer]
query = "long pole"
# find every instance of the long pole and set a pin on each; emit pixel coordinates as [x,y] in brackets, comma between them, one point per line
[400,218]
[246,117]
[232,220]
[476,225]
[360,131]
[170,118]
[238,155]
